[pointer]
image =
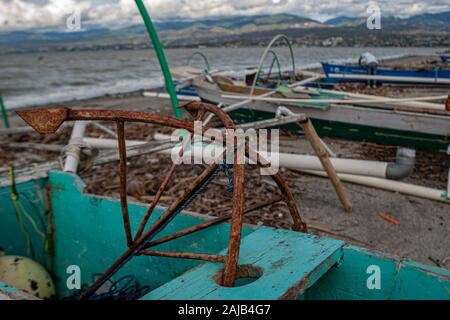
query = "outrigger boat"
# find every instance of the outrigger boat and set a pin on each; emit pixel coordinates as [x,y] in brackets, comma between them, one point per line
[337,73]
[383,123]
[413,122]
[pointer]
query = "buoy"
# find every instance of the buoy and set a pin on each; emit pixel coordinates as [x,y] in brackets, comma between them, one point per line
[27,275]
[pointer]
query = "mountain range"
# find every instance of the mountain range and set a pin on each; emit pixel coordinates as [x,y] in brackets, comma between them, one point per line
[241,30]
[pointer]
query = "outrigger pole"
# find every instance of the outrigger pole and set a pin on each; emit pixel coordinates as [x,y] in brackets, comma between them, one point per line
[161,58]
[4,115]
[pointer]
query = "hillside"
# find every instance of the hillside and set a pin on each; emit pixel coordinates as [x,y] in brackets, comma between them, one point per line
[421,30]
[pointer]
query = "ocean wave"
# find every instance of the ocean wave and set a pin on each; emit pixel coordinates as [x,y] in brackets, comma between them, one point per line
[69,93]
[44,85]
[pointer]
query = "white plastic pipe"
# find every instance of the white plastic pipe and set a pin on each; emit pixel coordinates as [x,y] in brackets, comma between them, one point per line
[100,143]
[285,160]
[74,147]
[391,185]
[164,95]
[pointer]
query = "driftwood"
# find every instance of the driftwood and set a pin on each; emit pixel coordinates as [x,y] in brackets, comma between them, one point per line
[319,149]
[31,145]
[28,173]
[41,170]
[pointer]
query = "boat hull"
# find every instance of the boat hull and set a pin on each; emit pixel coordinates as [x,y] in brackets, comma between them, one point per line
[87,232]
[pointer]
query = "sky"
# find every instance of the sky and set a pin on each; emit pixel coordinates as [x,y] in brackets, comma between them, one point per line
[26,14]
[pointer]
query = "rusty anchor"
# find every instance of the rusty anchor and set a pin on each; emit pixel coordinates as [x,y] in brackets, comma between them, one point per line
[49,120]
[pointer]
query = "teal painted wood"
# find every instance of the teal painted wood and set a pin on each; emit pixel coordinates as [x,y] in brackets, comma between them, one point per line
[291,262]
[10,293]
[32,196]
[400,279]
[5,288]
[89,234]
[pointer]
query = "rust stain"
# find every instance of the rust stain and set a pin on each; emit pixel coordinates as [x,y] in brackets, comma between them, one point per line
[44,120]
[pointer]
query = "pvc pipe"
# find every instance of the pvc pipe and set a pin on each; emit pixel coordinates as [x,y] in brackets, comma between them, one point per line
[74,147]
[164,95]
[401,168]
[286,160]
[390,185]
[403,165]
[99,143]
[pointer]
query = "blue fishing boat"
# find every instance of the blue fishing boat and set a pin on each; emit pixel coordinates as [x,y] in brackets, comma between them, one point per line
[337,73]
[445,58]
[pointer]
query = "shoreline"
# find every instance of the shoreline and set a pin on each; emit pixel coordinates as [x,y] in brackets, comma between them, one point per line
[405,60]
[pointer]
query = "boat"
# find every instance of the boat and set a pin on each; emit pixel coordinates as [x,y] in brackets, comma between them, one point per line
[445,57]
[86,231]
[374,122]
[337,73]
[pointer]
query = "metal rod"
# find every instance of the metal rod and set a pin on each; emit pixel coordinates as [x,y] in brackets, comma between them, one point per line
[151,232]
[164,184]
[207,224]
[289,198]
[184,255]
[123,180]
[237,215]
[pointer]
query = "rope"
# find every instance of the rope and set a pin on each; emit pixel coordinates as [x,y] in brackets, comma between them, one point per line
[199,190]
[21,211]
[125,288]
[14,198]
[226,168]
[73,148]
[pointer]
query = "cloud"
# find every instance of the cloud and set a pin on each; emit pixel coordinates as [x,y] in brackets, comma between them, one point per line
[24,14]
[21,14]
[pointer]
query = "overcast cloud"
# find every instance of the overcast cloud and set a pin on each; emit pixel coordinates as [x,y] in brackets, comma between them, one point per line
[24,14]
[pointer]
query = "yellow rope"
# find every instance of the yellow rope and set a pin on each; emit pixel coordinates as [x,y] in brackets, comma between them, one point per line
[18,215]
[20,210]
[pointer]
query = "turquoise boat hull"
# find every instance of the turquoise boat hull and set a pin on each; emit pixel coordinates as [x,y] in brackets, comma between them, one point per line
[86,230]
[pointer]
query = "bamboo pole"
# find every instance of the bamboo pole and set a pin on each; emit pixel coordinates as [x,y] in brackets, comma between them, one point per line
[4,115]
[314,139]
[390,185]
[334,101]
[161,58]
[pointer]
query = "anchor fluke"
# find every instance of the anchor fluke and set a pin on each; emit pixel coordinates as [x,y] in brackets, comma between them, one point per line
[44,120]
